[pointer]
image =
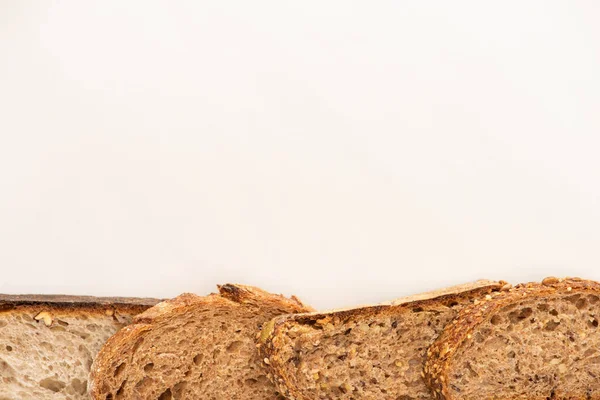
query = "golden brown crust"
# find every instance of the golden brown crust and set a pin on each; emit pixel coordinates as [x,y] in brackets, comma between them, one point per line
[251,294]
[272,332]
[229,294]
[442,351]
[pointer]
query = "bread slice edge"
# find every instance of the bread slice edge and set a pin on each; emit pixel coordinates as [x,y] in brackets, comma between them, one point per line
[228,294]
[271,330]
[441,352]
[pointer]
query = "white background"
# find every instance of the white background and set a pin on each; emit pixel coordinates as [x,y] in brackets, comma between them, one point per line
[347,152]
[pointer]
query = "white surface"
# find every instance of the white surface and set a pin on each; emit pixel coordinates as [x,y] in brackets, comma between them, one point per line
[347,152]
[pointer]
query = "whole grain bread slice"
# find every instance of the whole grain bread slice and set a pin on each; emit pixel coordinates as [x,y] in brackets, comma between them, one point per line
[48,342]
[374,352]
[192,347]
[536,341]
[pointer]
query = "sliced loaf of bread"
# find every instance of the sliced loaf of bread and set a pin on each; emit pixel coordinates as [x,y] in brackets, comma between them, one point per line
[47,343]
[375,352]
[537,341]
[192,347]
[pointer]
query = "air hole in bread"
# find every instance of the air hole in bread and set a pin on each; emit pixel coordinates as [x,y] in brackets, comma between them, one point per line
[120,390]
[6,370]
[179,390]
[543,307]
[119,370]
[234,346]
[137,344]
[56,328]
[166,395]
[520,315]
[143,383]
[581,303]
[82,334]
[250,382]
[52,384]
[551,325]
[78,386]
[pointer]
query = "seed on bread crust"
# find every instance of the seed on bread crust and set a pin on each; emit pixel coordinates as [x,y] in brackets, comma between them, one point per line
[506,287]
[551,280]
[44,316]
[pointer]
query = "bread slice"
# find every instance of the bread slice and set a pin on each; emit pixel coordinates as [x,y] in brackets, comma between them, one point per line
[373,352]
[535,342]
[47,343]
[192,347]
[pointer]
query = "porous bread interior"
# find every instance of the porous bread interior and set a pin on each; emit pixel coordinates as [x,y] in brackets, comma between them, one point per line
[374,356]
[208,352]
[51,362]
[540,348]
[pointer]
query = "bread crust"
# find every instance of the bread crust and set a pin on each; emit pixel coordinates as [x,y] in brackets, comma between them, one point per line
[442,351]
[75,304]
[272,332]
[229,295]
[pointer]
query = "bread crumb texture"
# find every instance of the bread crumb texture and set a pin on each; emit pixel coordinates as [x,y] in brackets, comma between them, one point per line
[370,353]
[46,351]
[192,347]
[536,341]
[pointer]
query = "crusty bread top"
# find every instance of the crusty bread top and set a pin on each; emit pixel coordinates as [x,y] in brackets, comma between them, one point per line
[61,300]
[272,335]
[229,295]
[462,290]
[432,298]
[441,352]
[66,304]
[241,294]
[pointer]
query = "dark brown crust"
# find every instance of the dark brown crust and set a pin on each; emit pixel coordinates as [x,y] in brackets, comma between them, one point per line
[229,294]
[273,330]
[442,351]
[65,303]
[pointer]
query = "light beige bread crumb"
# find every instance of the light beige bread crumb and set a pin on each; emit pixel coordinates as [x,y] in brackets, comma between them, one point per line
[47,343]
